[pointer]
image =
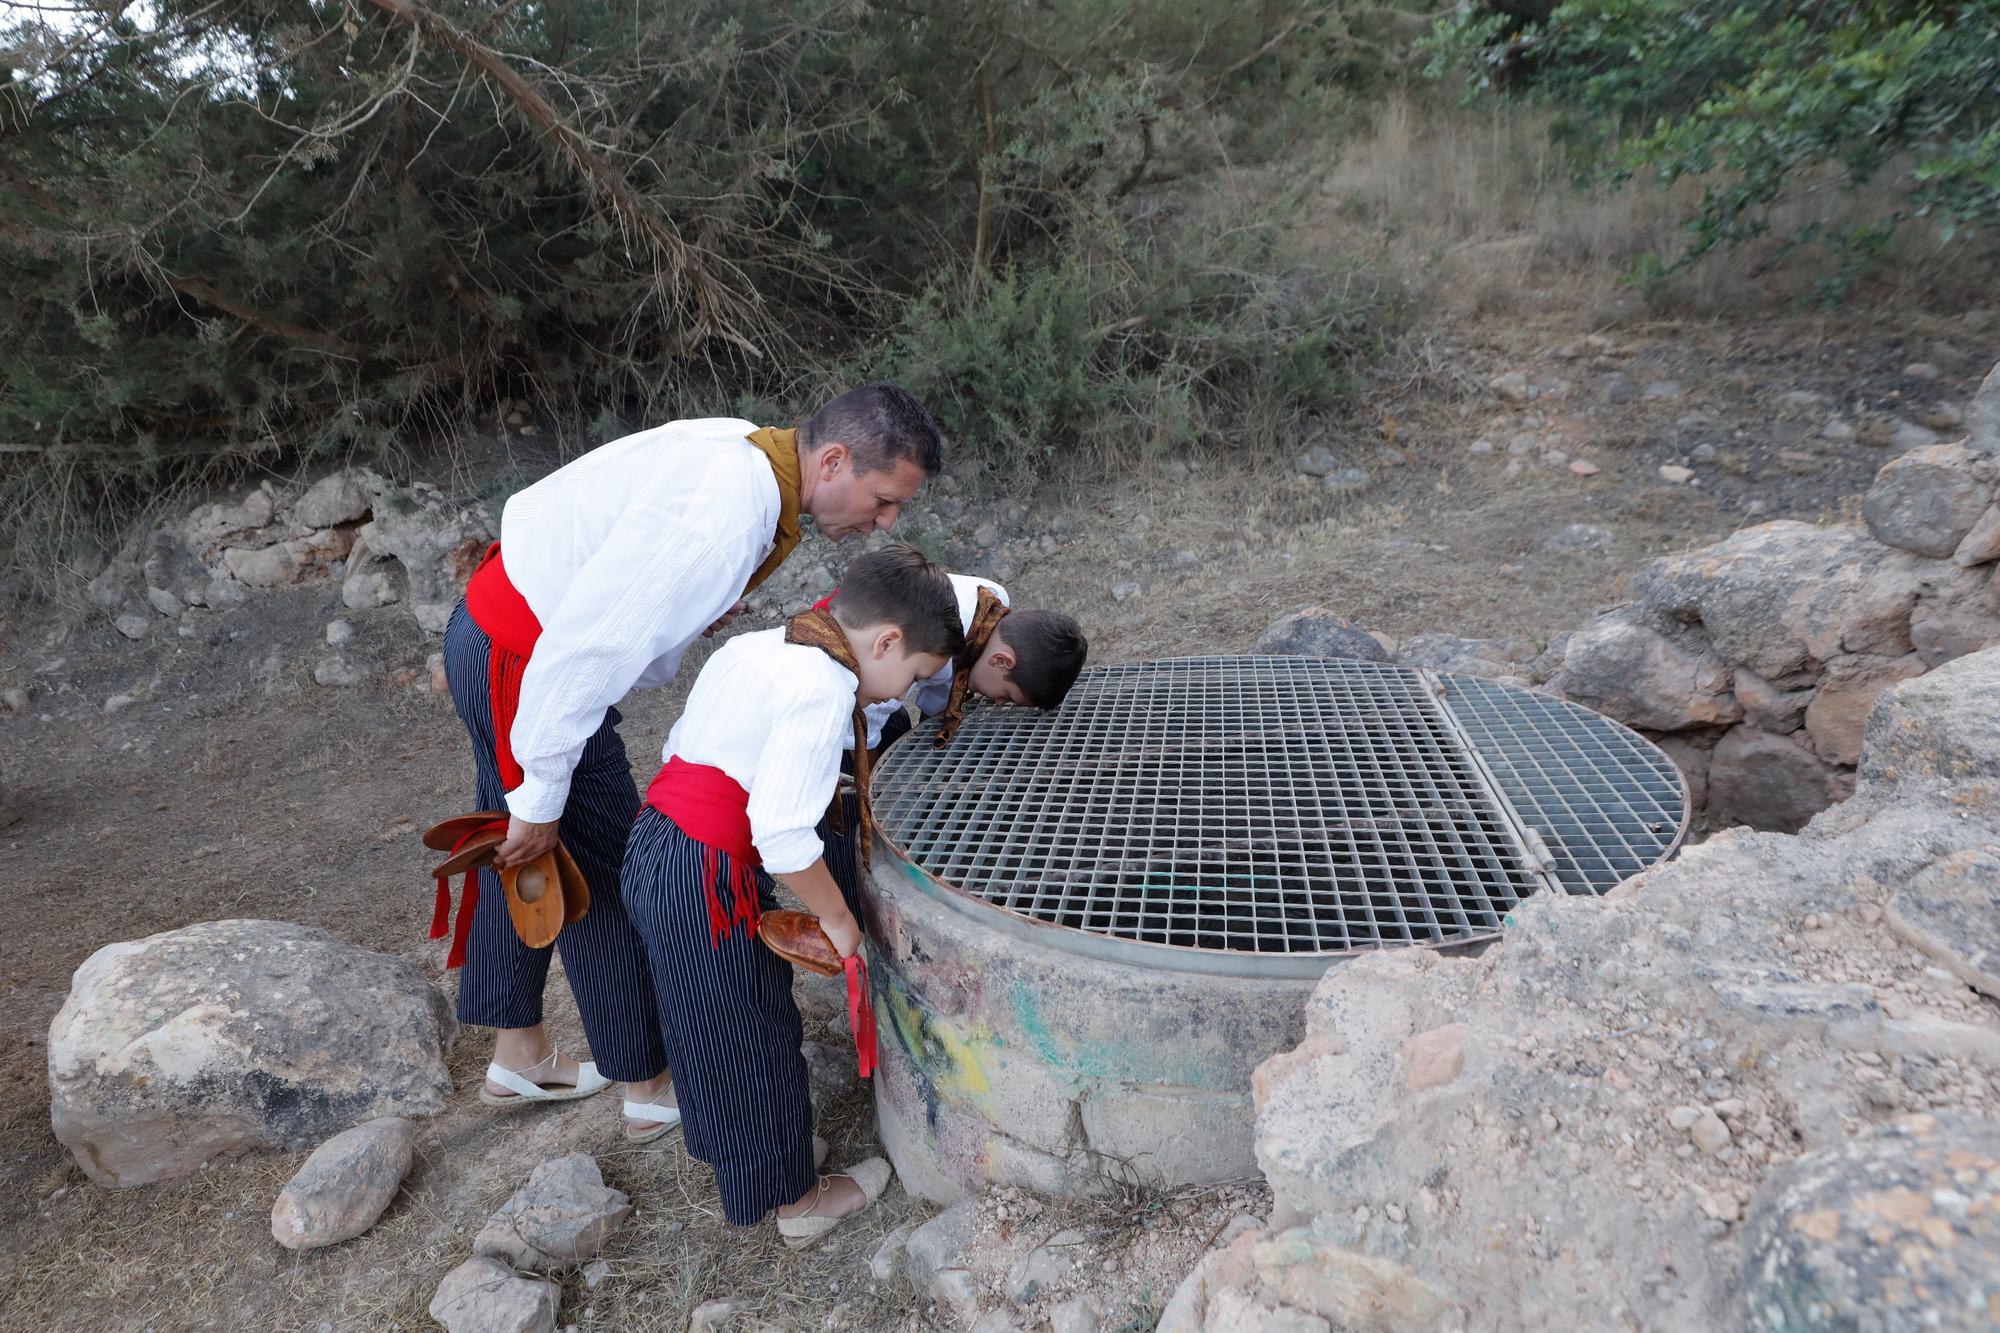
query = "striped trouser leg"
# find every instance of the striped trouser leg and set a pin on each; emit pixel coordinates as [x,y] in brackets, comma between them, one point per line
[502,981]
[732,1032]
[843,859]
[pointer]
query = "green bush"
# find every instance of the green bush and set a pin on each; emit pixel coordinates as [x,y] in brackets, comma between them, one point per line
[1762,101]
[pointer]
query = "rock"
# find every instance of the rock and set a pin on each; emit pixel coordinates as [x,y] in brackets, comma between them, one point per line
[481,1296]
[1951,911]
[561,1216]
[164,602]
[1614,387]
[187,1046]
[1803,399]
[172,573]
[1683,1117]
[1956,612]
[1840,709]
[1080,1315]
[1124,590]
[1705,453]
[1356,1291]
[1838,431]
[1693,761]
[1465,657]
[113,588]
[1896,1229]
[1317,462]
[1938,725]
[1675,473]
[434,665]
[1176,470]
[1777,711]
[1347,481]
[1766,781]
[1982,542]
[15,699]
[986,535]
[1643,678]
[937,1244]
[347,1183]
[1318,632]
[1709,1133]
[955,1290]
[337,671]
[1909,435]
[1522,443]
[1481,446]
[1661,390]
[266,566]
[338,632]
[889,1257]
[345,496]
[1922,370]
[1434,1058]
[1983,418]
[366,588]
[1511,386]
[716,1313]
[121,701]
[1584,468]
[133,626]
[1926,501]
[438,546]
[1580,537]
[1043,1268]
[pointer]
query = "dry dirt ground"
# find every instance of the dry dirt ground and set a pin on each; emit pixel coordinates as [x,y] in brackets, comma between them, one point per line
[237,787]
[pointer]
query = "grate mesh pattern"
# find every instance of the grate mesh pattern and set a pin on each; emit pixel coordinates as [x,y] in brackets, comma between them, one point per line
[1275,805]
[1606,803]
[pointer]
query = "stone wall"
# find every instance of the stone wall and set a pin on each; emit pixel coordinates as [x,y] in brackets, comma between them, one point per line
[1753,1088]
[1755,661]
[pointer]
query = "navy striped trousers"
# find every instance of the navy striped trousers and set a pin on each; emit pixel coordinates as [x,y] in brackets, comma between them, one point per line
[502,981]
[732,1031]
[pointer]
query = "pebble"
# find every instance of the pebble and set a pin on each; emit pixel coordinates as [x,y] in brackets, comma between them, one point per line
[1704,453]
[1511,386]
[1615,387]
[1124,591]
[1755,508]
[1675,473]
[1512,470]
[1348,481]
[1709,1133]
[1317,462]
[1838,431]
[1662,390]
[1922,370]
[338,632]
[132,626]
[338,671]
[1523,443]
[986,534]
[16,699]
[118,703]
[1583,467]
[1683,1117]
[1480,446]
[1394,1212]
[1185,559]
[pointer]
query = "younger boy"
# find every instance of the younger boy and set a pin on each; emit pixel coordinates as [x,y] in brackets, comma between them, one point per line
[750,769]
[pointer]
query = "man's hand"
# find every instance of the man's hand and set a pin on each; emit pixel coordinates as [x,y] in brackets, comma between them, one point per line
[845,932]
[727,616]
[524,842]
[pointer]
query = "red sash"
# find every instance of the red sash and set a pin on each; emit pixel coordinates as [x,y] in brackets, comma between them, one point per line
[498,608]
[712,808]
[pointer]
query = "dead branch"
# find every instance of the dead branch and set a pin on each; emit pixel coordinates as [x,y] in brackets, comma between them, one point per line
[263,320]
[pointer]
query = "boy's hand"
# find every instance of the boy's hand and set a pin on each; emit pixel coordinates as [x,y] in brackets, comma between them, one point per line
[844,932]
[727,616]
[524,842]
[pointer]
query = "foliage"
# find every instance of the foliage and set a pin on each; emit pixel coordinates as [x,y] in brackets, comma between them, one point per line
[1763,101]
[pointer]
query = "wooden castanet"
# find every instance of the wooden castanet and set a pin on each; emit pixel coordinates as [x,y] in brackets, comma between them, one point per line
[476,852]
[535,900]
[797,938]
[575,888]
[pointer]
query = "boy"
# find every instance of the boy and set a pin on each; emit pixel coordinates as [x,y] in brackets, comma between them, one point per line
[750,769]
[1015,657]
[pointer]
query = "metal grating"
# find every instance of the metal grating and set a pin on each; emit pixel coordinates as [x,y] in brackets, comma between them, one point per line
[1605,801]
[1278,805]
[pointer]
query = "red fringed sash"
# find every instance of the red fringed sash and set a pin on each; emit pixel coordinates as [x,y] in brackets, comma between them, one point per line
[498,608]
[712,808]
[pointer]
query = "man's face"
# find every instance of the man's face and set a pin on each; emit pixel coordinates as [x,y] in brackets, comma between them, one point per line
[989,674]
[847,502]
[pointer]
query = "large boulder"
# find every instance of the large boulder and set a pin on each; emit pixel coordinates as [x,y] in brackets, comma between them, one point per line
[1771,598]
[437,543]
[1983,418]
[190,1045]
[1957,612]
[1898,1229]
[1848,692]
[339,497]
[1942,725]
[1623,1115]
[1644,677]
[1926,500]
[1768,782]
[1318,632]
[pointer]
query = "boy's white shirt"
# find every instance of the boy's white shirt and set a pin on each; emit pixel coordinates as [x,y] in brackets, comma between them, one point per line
[625,556]
[932,693]
[772,715]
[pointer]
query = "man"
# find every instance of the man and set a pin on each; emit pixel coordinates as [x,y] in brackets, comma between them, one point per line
[606,570]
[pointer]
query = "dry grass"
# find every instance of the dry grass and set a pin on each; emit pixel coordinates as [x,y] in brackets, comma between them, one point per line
[1487,206]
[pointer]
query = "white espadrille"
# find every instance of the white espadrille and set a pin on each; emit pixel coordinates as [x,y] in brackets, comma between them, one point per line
[808,1229]
[662,1118]
[523,1089]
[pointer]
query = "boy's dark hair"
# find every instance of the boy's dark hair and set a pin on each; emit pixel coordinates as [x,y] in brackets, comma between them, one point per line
[898,586]
[1049,651]
[882,423]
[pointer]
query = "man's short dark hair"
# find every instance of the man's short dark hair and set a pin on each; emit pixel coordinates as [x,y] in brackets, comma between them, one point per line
[882,423]
[898,586]
[1049,652]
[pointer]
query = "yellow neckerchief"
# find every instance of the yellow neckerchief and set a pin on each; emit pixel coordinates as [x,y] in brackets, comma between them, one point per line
[991,611]
[818,629]
[782,448]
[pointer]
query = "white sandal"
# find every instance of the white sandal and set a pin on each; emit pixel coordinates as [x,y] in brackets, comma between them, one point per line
[522,1090]
[806,1230]
[663,1118]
